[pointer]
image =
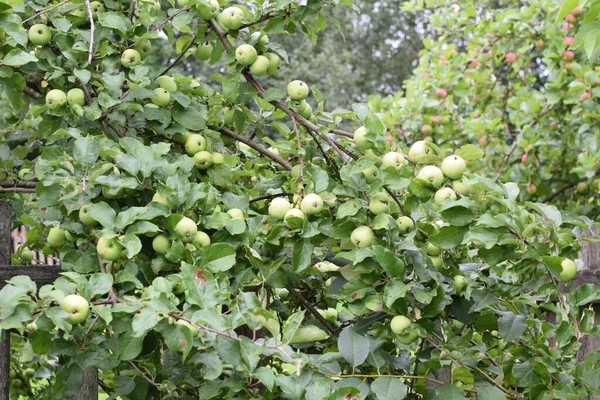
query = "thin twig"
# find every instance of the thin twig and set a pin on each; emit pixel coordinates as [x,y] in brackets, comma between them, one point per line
[47,10]
[342,132]
[92,28]
[257,147]
[190,44]
[312,310]
[506,157]
[271,196]
[300,154]
[32,92]
[559,191]
[131,10]
[16,190]
[184,9]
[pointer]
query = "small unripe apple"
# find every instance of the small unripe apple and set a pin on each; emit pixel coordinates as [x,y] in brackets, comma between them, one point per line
[443,194]
[405,224]
[56,237]
[511,57]
[294,218]
[274,63]
[279,207]
[203,159]
[130,58]
[568,55]
[436,262]
[245,54]
[186,229]
[209,11]
[441,92]
[195,143]
[204,51]
[75,96]
[399,324]
[201,239]
[109,249]
[191,327]
[161,244]
[232,18]
[418,151]
[56,98]
[25,254]
[460,283]
[531,188]
[569,270]
[84,217]
[393,159]
[568,40]
[311,204]
[305,109]
[167,83]
[379,203]
[433,250]
[453,167]
[217,158]
[362,236]
[582,187]
[260,66]
[157,198]
[461,187]
[297,90]
[96,8]
[576,11]
[539,43]
[371,174]
[584,96]
[144,47]
[360,138]
[40,34]
[77,307]
[432,174]
[161,97]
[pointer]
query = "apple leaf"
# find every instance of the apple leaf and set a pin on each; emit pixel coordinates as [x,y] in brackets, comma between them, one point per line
[470,152]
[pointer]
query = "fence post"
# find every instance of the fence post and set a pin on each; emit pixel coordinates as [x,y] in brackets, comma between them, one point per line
[5,250]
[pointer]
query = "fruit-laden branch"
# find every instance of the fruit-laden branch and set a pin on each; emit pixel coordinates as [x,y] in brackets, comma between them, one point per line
[47,10]
[257,147]
[92,28]
[312,310]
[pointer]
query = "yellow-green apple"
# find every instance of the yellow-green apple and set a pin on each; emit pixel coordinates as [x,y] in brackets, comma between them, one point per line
[311,204]
[362,236]
[432,174]
[186,229]
[453,166]
[297,90]
[279,207]
[77,307]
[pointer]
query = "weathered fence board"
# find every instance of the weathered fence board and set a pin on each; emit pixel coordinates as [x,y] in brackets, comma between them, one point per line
[5,250]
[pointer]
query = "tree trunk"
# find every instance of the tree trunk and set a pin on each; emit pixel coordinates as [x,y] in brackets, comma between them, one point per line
[5,250]
[89,386]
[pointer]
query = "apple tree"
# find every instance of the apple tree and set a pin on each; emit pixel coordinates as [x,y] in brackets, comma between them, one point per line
[518,83]
[237,243]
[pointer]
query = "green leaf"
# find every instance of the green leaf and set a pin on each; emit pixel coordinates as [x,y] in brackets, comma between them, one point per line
[565,9]
[16,58]
[511,326]
[349,208]
[394,290]
[448,392]
[449,237]
[231,86]
[144,321]
[219,257]
[86,150]
[487,391]
[291,325]
[470,152]
[353,347]
[104,214]
[129,346]
[114,20]
[99,283]
[273,94]
[302,254]
[190,118]
[389,389]
[132,243]
[548,211]
[393,266]
[178,338]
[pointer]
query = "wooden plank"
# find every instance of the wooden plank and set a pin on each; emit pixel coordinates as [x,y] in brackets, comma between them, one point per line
[5,250]
[40,274]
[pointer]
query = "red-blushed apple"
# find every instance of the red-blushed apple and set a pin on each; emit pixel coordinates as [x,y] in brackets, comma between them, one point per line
[568,55]
[441,92]
[570,18]
[584,96]
[389,138]
[362,236]
[568,40]
[539,43]
[531,188]
[511,57]
[582,187]
[524,158]
[426,128]
[77,307]
[474,63]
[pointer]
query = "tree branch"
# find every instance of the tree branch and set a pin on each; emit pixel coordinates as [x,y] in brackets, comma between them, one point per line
[257,147]
[92,28]
[166,21]
[312,310]
[179,56]
[131,10]
[47,10]
[12,183]
[271,196]
[32,92]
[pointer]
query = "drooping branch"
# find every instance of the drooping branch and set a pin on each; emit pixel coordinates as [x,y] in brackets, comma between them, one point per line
[47,10]
[257,147]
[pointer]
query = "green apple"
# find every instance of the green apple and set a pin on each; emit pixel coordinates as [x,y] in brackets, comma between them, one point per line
[228,115]
[96,8]
[305,109]
[379,203]
[236,213]
[294,218]
[279,207]
[362,236]
[569,270]
[39,34]
[130,58]
[432,174]
[56,237]
[433,250]
[112,193]
[461,187]
[436,261]
[232,18]
[56,98]
[399,324]
[282,293]
[245,54]
[371,174]
[186,230]
[144,48]
[191,327]
[167,83]
[297,90]
[217,158]
[408,337]
[195,143]
[393,159]
[418,151]
[274,63]
[24,172]
[208,11]
[443,194]
[157,198]
[360,139]
[183,3]
[109,249]
[453,167]
[161,97]
[311,204]
[75,96]
[260,40]
[84,217]
[77,307]
[460,283]
[203,159]
[405,224]
[201,239]
[25,254]
[330,314]
[161,244]
[204,51]
[260,66]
